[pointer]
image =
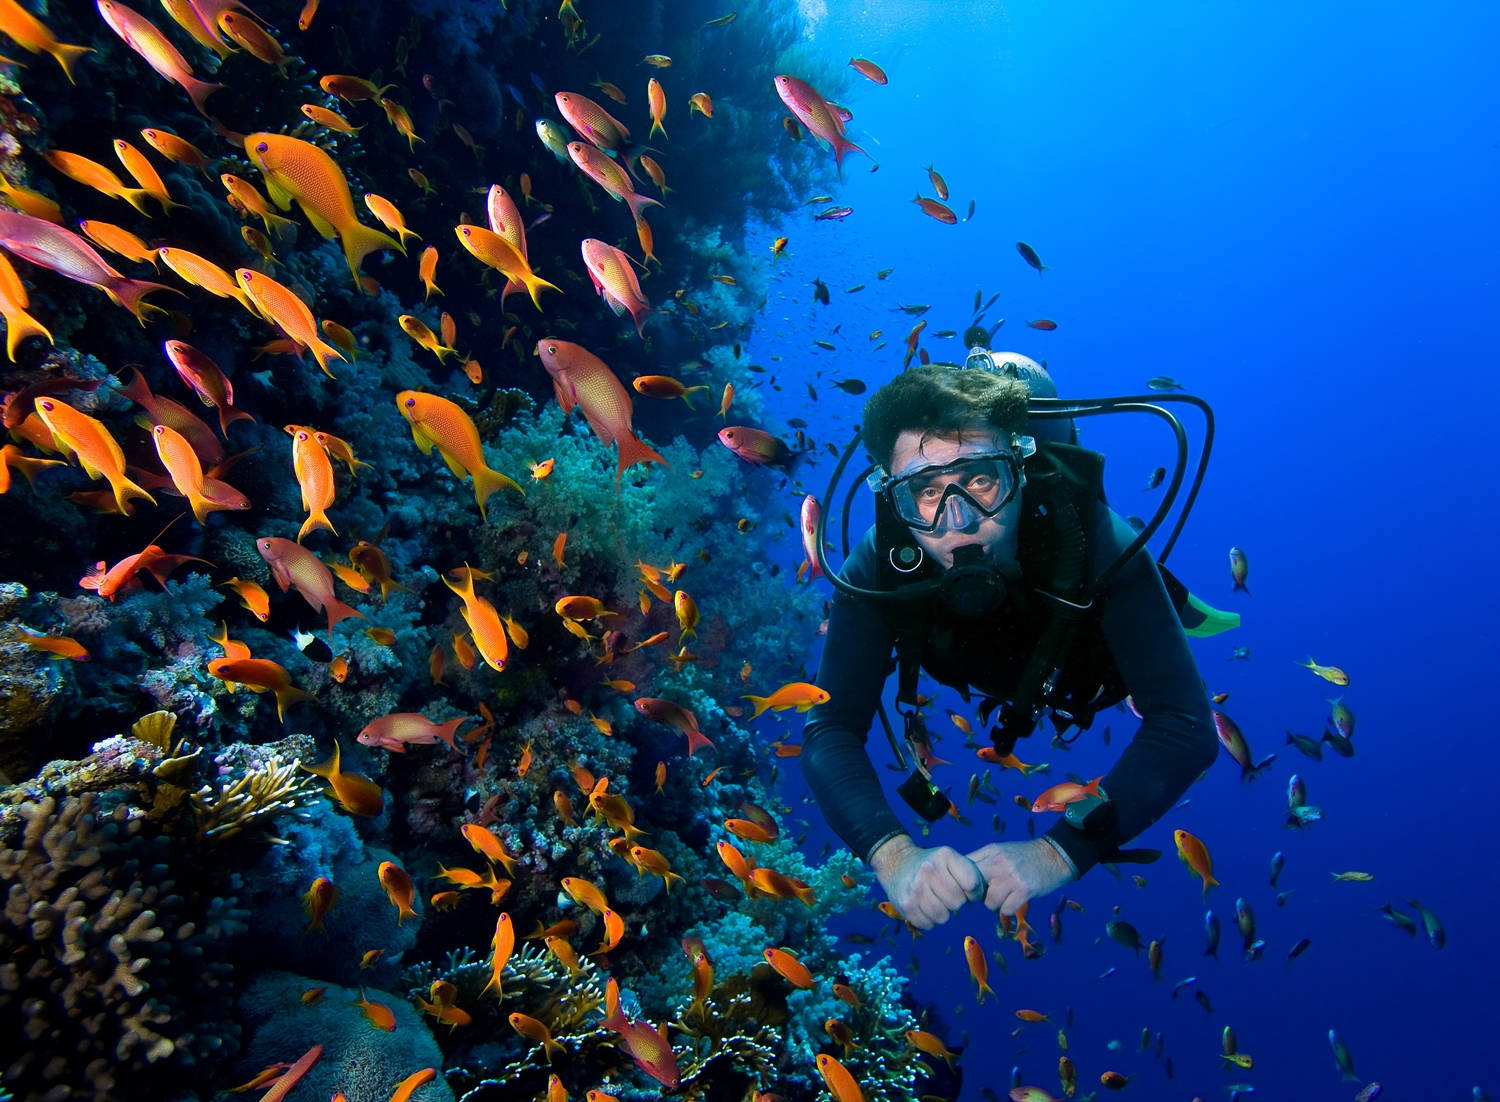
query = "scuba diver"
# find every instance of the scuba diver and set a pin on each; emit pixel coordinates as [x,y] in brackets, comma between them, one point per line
[995,565]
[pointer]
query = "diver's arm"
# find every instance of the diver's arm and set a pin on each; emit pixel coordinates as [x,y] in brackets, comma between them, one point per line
[1176,740]
[856,661]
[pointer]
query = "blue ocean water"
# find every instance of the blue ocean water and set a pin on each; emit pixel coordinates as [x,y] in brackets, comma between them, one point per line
[1290,211]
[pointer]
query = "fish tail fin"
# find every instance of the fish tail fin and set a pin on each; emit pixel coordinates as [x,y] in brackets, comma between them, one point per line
[126,491]
[289,694]
[131,294]
[534,285]
[228,415]
[486,482]
[686,394]
[136,197]
[321,351]
[315,520]
[198,91]
[841,146]
[18,326]
[636,202]
[404,233]
[66,56]
[202,506]
[338,611]
[655,126]
[634,450]
[761,704]
[697,740]
[360,240]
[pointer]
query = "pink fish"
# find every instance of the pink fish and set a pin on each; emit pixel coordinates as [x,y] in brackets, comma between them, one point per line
[210,383]
[143,36]
[809,523]
[49,246]
[758,447]
[648,1046]
[598,127]
[675,715]
[294,565]
[397,730]
[615,280]
[815,113]
[505,219]
[165,411]
[579,378]
[598,167]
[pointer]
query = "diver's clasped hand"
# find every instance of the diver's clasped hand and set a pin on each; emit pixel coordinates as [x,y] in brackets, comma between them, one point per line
[1015,872]
[926,885]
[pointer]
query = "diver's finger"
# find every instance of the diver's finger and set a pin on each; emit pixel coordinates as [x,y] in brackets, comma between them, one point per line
[1015,899]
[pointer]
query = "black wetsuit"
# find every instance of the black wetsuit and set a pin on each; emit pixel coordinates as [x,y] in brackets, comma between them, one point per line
[1136,622]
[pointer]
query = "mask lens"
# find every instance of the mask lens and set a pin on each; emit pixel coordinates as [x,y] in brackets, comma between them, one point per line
[952,495]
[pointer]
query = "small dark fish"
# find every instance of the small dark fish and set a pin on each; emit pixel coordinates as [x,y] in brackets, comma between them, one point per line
[816,199]
[1369,1092]
[796,423]
[1202,997]
[1107,973]
[736,349]
[1282,897]
[1240,653]
[1244,918]
[1298,949]
[833,213]
[820,292]
[978,298]
[1155,479]
[1138,523]
[1123,932]
[945,334]
[1211,934]
[827,346]
[1434,928]
[884,272]
[811,393]
[757,368]
[1278,862]
[1256,949]
[1028,254]
[1167,1067]
[1341,746]
[852,290]
[1308,745]
[1403,922]
[916,310]
[1163,382]
[1180,984]
[971,211]
[1046,325]
[859,938]
[312,647]
[850,386]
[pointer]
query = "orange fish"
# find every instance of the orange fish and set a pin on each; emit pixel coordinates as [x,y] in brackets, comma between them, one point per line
[352,89]
[674,715]
[484,623]
[579,378]
[656,99]
[119,241]
[356,794]
[700,102]
[493,250]
[398,889]
[59,646]
[979,966]
[534,1030]
[14,300]
[418,330]
[260,675]
[869,70]
[280,306]
[789,968]
[85,439]
[427,269]
[797,694]
[438,422]
[29,33]
[204,274]
[314,474]
[299,170]
[377,1014]
[243,197]
[389,216]
[501,946]
[398,117]
[331,119]
[1195,856]
[182,464]
[318,900]
[841,1083]
[1059,796]
[933,209]
[145,174]
[176,149]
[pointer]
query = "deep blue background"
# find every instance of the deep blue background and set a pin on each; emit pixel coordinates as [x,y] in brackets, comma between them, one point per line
[1291,209]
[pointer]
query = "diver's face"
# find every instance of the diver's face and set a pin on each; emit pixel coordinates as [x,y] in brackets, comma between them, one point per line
[997,534]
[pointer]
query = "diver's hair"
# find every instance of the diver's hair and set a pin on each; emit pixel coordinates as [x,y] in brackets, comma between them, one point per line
[941,400]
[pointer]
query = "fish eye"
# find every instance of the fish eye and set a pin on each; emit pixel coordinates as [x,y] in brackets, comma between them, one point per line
[410,402]
[260,147]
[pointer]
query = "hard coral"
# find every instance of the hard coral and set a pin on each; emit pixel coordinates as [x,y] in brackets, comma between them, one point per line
[100,951]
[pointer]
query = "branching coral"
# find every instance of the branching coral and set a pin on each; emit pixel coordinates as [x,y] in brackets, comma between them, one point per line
[99,951]
[258,794]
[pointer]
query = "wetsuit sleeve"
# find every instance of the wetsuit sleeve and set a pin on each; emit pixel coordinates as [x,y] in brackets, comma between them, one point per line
[1176,740]
[856,662]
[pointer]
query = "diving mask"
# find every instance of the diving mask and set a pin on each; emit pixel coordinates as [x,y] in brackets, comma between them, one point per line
[958,495]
